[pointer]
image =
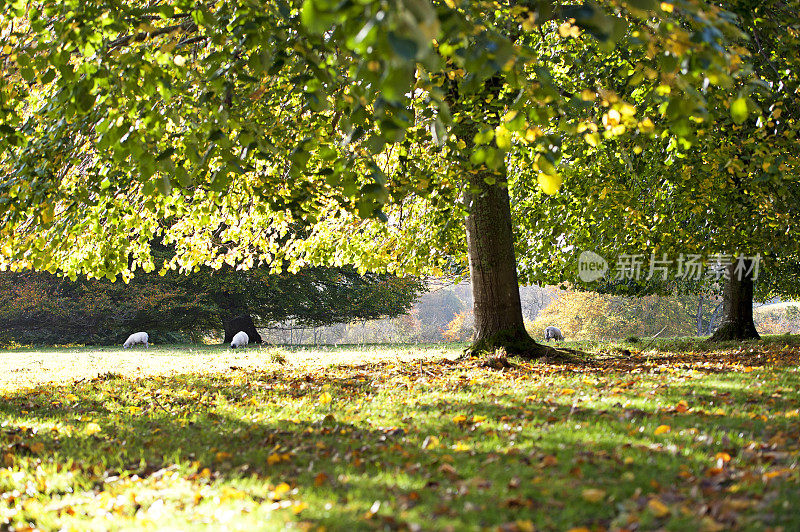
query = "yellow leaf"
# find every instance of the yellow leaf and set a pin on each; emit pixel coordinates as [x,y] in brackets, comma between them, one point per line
[273,459]
[461,446]
[550,184]
[282,489]
[646,126]
[478,419]
[459,418]
[667,7]
[502,137]
[593,494]
[662,429]
[707,524]
[725,457]
[567,391]
[298,507]
[533,134]
[657,508]
[525,526]
[431,442]
[92,428]
[592,139]
[222,456]
[325,398]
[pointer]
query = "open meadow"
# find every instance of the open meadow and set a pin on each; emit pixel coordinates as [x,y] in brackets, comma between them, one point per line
[676,437]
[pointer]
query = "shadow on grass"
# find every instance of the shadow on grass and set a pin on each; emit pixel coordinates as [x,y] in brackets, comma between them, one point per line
[412,460]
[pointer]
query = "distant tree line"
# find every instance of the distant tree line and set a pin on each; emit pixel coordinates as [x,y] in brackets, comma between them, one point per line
[41,308]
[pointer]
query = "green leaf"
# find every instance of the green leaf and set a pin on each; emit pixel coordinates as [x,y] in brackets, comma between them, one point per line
[739,110]
[405,48]
[645,5]
[163,184]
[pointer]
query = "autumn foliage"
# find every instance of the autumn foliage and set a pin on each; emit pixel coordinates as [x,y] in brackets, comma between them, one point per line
[589,315]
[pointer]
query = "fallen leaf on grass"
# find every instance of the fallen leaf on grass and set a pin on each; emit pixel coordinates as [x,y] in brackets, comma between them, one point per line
[37,447]
[549,460]
[431,442]
[662,429]
[593,495]
[320,479]
[723,457]
[280,490]
[657,508]
[707,524]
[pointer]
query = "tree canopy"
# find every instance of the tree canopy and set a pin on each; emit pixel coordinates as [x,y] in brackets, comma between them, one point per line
[221,125]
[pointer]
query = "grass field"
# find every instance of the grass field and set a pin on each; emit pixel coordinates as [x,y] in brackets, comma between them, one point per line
[677,435]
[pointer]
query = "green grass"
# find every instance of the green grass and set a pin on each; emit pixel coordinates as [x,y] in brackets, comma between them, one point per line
[673,437]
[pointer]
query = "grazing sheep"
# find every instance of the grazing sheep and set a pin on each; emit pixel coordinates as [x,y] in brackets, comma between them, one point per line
[240,339]
[553,333]
[137,338]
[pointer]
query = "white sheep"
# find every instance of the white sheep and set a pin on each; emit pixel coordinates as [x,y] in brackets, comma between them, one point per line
[240,339]
[553,333]
[137,338]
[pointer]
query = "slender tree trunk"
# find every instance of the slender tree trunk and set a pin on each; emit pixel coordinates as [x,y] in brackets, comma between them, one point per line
[737,306]
[713,319]
[699,315]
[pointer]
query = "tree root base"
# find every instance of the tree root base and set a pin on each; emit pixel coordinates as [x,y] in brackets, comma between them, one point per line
[735,331]
[522,345]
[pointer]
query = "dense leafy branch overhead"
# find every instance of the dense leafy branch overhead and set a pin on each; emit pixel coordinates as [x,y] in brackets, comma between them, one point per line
[725,186]
[221,126]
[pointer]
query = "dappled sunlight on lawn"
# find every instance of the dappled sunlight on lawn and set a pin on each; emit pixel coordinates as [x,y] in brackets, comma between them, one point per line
[673,441]
[27,367]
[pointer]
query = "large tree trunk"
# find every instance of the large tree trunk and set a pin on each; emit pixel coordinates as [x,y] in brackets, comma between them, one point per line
[737,306]
[243,322]
[493,269]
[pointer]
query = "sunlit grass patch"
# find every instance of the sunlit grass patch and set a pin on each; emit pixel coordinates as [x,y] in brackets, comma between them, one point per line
[670,440]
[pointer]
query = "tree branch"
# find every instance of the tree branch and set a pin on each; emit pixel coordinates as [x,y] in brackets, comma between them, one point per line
[186,27]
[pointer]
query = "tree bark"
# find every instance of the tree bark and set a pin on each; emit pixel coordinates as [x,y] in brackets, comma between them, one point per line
[493,269]
[737,306]
[244,323]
